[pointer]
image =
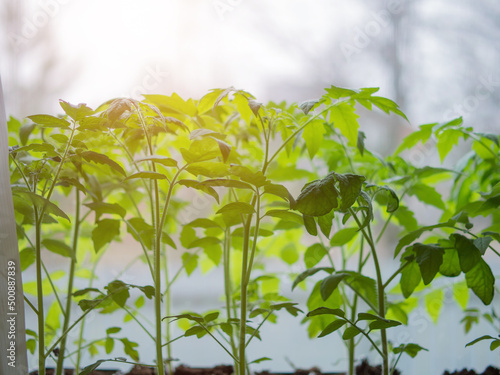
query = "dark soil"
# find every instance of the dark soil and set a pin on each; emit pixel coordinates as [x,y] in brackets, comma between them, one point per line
[362,369]
[365,369]
[489,371]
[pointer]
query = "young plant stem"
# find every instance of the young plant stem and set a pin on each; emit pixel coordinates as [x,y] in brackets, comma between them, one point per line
[168,308]
[39,290]
[244,290]
[71,277]
[228,290]
[352,342]
[380,290]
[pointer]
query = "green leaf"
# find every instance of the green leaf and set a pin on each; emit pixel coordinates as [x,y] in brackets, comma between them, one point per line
[360,144]
[290,254]
[335,92]
[49,121]
[279,191]
[285,215]
[345,119]
[318,197]
[76,112]
[41,203]
[451,263]
[350,188]
[314,254]
[227,183]
[351,332]
[101,208]
[383,324]
[330,283]
[203,223]
[434,303]
[259,360]
[211,316]
[190,262]
[481,280]
[87,370]
[129,348]
[468,254]
[204,242]
[412,236]
[58,247]
[495,344]
[427,194]
[310,272]
[332,327]
[326,311]
[109,345]
[313,136]
[98,158]
[410,279]
[391,201]
[237,207]
[147,175]
[410,349]
[105,231]
[208,169]
[421,135]
[485,337]
[446,140]
[119,292]
[308,105]
[163,160]
[310,225]
[325,223]
[27,257]
[343,236]
[429,258]
[112,330]
[199,186]
[245,174]
[482,243]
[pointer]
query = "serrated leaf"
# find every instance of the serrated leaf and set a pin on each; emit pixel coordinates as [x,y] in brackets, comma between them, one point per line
[119,292]
[410,279]
[163,160]
[204,242]
[147,175]
[199,186]
[429,259]
[326,311]
[350,332]
[92,156]
[349,188]
[318,197]
[237,207]
[332,327]
[345,118]
[190,262]
[427,195]
[343,236]
[310,225]
[310,272]
[410,349]
[325,223]
[208,169]
[468,254]
[58,247]
[285,215]
[76,111]
[49,121]
[101,208]
[481,280]
[313,136]
[105,231]
[314,254]
[330,283]
[227,183]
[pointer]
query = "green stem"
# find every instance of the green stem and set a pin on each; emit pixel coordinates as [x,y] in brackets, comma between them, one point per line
[228,289]
[39,290]
[352,342]
[71,277]
[381,294]
[243,293]
[168,311]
